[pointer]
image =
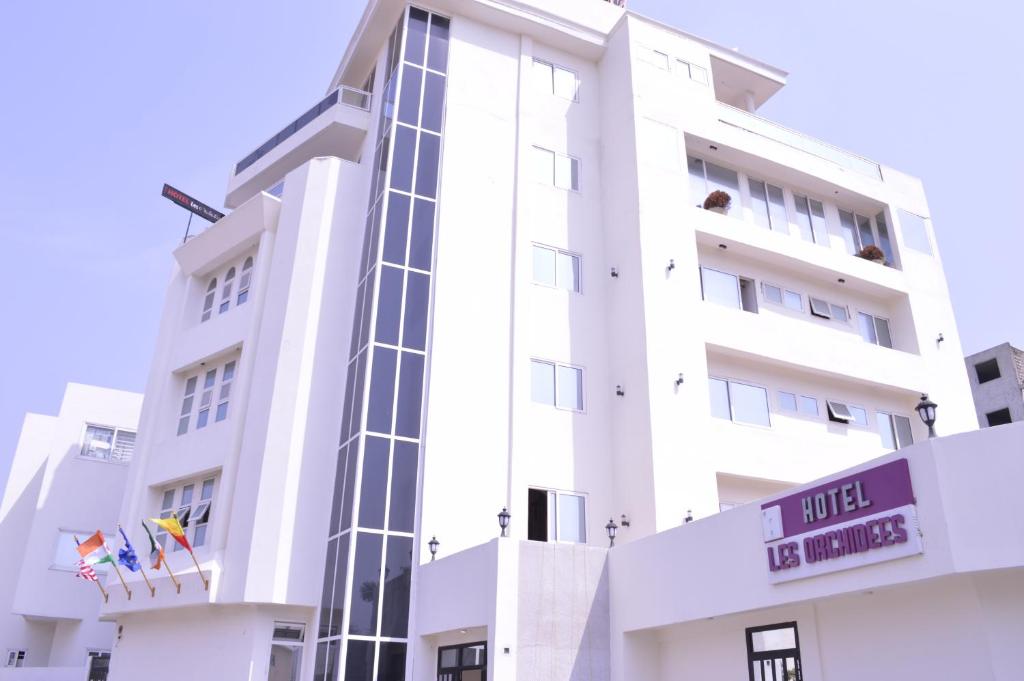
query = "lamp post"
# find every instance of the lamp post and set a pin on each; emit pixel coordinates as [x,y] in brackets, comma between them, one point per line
[611,528]
[433,544]
[503,519]
[926,410]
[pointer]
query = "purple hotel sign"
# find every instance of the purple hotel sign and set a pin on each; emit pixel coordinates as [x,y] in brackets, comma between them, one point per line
[857,520]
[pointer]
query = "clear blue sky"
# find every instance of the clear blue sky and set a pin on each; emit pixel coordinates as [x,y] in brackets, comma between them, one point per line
[101,103]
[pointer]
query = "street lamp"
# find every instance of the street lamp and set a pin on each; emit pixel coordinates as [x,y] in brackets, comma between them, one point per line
[926,410]
[611,528]
[503,519]
[433,544]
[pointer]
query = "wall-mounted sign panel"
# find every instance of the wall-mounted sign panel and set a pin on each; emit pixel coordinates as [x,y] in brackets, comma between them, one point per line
[861,519]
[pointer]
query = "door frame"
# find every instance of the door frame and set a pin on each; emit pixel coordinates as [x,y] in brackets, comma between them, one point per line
[462,668]
[780,653]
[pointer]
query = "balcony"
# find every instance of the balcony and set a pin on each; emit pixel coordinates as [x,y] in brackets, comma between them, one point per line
[336,126]
[762,127]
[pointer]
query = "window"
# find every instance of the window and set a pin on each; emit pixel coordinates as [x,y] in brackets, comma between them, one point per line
[987,370]
[698,74]
[1000,417]
[728,289]
[15,658]
[558,385]
[707,177]
[810,218]
[286,651]
[801,404]
[211,293]
[769,206]
[773,652]
[193,513]
[780,296]
[99,665]
[207,402]
[555,80]
[654,58]
[915,232]
[66,556]
[225,296]
[895,430]
[108,444]
[826,310]
[556,268]
[874,329]
[860,231]
[556,516]
[225,391]
[245,281]
[556,169]
[739,402]
[841,412]
[186,405]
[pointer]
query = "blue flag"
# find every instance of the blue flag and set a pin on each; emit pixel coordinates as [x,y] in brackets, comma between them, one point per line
[126,555]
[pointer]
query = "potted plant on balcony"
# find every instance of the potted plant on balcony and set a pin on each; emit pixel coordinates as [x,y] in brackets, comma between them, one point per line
[718,201]
[872,253]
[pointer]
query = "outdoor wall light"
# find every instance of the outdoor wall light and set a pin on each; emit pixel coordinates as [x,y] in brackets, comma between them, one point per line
[926,410]
[433,544]
[611,528]
[689,516]
[680,380]
[723,246]
[671,264]
[615,273]
[619,391]
[940,339]
[503,519]
[625,520]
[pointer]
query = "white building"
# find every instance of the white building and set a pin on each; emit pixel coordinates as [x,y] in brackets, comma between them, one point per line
[482,259]
[67,478]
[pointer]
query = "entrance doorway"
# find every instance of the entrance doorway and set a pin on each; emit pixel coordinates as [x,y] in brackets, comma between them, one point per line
[467,662]
[773,653]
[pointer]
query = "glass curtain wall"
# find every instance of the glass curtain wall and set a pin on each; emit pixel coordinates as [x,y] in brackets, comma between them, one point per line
[364,610]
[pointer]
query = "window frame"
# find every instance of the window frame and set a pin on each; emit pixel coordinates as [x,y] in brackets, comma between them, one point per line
[874,326]
[992,361]
[195,501]
[556,365]
[553,180]
[558,251]
[117,431]
[16,658]
[554,89]
[191,421]
[891,417]
[553,515]
[732,411]
[998,412]
[646,57]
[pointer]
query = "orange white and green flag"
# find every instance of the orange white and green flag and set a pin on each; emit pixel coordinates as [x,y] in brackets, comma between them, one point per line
[174,529]
[94,550]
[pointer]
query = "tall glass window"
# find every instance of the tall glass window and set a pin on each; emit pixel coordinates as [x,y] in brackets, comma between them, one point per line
[371,547]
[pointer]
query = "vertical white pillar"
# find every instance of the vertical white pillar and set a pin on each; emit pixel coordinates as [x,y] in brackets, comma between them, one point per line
[748,101]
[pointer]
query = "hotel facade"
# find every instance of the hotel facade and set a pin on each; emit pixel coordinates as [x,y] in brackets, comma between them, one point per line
[479,278]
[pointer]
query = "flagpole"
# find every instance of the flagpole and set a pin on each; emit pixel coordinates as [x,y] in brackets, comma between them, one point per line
[119,576]
[106,596]
[152,589]
[177,584]
[199,570]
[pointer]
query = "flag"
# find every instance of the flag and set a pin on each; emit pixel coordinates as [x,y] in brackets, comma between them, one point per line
[156,552]
[126,555]
[94,551]
[173,528]
[86,572]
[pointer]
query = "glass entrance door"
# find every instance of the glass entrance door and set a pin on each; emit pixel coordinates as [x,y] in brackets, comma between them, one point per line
[467,662]
[773,653]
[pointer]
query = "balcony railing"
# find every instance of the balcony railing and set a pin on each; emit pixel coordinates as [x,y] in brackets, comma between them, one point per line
[738,118]
[347,96]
